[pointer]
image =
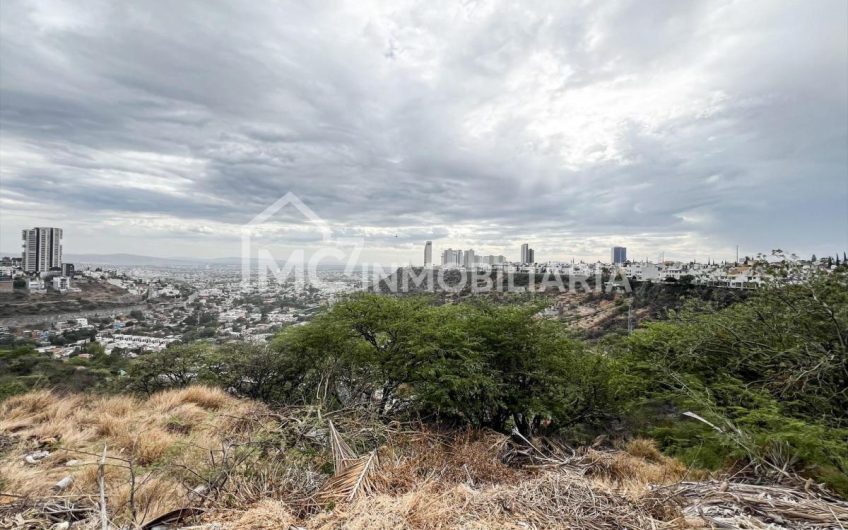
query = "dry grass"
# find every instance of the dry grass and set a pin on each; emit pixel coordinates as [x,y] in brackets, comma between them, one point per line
[644,448]
[264,469]
[267,514]
[551,499]
[153,434]
[425,479]
[205,397]
[445,459]
[26,405]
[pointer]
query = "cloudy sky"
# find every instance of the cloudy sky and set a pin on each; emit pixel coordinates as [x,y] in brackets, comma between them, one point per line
[160,128]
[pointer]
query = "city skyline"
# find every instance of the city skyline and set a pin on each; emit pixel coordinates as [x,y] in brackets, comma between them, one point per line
[416,124]
[459,257]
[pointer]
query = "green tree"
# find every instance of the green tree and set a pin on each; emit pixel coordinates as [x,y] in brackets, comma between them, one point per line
[481,364]
[176,366]
[774,368]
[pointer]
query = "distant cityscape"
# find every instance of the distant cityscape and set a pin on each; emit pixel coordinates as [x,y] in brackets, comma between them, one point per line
[41,267]
[741,273]
[138,308]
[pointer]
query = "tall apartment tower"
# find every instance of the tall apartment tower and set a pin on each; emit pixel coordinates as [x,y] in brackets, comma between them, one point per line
[42,249]
[451,258]
[428,253]
[531,256]
[468,259]
[525,253]
[619,255]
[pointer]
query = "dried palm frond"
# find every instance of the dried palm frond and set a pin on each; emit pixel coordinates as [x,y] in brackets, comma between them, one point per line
[354,474]
[343,455]
[702,420]
[357,478]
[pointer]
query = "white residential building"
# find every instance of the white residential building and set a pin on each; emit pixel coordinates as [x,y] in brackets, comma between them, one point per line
[42,249]
[120,340]
[36,285]
[232,315]
[644,271]
[61,283]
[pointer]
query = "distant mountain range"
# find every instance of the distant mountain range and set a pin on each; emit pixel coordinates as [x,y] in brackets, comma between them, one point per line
[119,259]
[136,259]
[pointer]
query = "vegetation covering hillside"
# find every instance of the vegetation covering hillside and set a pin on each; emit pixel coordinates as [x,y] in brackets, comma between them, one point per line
[200,458]
[756,388]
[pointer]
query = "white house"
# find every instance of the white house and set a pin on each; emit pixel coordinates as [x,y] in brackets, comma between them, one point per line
[36,286]
[61,283]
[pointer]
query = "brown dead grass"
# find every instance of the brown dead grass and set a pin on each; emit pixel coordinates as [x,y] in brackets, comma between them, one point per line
[26,405]
[205,397]
[267,514]
[644,448]
[151,433]
[551,499]
[446,459]
[633,476]
[426,480]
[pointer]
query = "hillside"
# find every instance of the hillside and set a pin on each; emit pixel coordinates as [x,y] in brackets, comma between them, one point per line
[92,295]
[232,463]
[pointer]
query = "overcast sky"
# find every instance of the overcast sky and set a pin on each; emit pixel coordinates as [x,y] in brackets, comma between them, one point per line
[160,128]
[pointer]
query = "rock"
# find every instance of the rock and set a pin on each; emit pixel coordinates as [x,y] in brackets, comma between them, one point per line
[64,483]
[199,491]
[36,457]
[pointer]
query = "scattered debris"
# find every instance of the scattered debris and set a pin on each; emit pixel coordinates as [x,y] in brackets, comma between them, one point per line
[64,483]
[25,513]
[36,457]
[172,519]
[739,505]
[271,470]
[353,474]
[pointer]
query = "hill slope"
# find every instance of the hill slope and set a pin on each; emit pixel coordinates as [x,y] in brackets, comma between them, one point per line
[237,464]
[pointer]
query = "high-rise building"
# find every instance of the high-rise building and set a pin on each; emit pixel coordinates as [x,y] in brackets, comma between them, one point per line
[428,253]
[489,260]
[527,254]
[619,255]
[468,259]
[42,249]
[451,258]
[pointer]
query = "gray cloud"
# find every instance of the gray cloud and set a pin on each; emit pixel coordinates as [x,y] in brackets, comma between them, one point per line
[676,126]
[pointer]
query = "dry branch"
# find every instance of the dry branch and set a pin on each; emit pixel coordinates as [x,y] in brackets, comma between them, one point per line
[101,480]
